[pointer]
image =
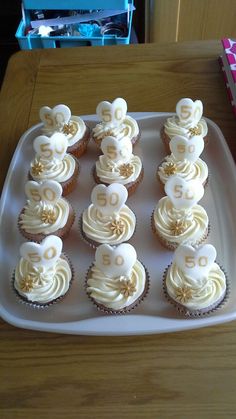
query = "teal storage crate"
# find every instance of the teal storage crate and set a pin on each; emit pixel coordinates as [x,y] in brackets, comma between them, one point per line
[32,41]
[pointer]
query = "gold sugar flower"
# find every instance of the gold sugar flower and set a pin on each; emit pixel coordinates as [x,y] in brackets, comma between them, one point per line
[170,169]
[26,284]
[126,170]
[183,294]
[69,129]
[117,227]
[37,168]
[178,227]
[194,131]
[48,216]
[127,287]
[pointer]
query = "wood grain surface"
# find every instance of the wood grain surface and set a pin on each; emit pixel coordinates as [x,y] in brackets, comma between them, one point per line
[190,20]
[180,375]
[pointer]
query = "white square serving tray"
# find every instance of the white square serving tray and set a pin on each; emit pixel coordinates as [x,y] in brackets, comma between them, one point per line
[75,314]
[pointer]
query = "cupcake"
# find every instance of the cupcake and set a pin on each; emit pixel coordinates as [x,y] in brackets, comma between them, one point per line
[194,283]
[51,162]
[177,218]
[108,220]
[43,275]
[45,212]
[116,282]
[115,122]
[188,121]
[59,119]
[184,160]
[118,164]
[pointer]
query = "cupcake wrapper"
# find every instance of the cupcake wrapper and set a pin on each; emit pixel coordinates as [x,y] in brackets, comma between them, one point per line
[41,306]
[62,232]
[131,187]
[136,139]
[173,245]
[71,183]
[165,140]
[79,148]
[188,313]
[124,310]
[85,239]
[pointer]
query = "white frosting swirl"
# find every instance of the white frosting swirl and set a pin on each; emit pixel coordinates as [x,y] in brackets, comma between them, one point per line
[204,292]
[129,128]
[55,169]
[165,215]
[185,169]
[109,172]
[47,283]
[78,126]
[174,126]
[97,226]
[31,217]
[107,291]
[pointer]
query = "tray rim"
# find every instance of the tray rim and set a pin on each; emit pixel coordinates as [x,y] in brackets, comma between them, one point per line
[84,323]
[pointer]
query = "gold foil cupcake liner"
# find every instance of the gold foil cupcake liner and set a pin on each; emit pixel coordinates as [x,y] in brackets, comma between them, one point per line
[41,306]
[102,308]
[188,313]
[173,245]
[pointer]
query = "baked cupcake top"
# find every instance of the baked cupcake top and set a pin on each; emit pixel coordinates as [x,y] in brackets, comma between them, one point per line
[59,119]
[108,219]
[184,160]
[188,120]
[177,217]
[51,161]
[118,164]
[194,280]
[117,279]
[45,211]
[42,274]
[114,121]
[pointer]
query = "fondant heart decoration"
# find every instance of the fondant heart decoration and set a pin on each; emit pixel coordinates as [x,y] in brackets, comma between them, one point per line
[183,148]
[45,253]
[55,118]
[112,113]
[182,193]
[189,111]
[115,150]
[195,262]
[109,199]
[115,261]
[51,147]
[48,191]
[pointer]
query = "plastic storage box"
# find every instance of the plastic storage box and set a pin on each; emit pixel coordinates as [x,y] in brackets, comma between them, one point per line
[31,40]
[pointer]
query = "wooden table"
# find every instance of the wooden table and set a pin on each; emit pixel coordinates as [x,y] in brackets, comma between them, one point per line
[179,375]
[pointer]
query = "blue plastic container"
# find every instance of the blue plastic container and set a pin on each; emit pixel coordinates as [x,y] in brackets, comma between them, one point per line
[32,41]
